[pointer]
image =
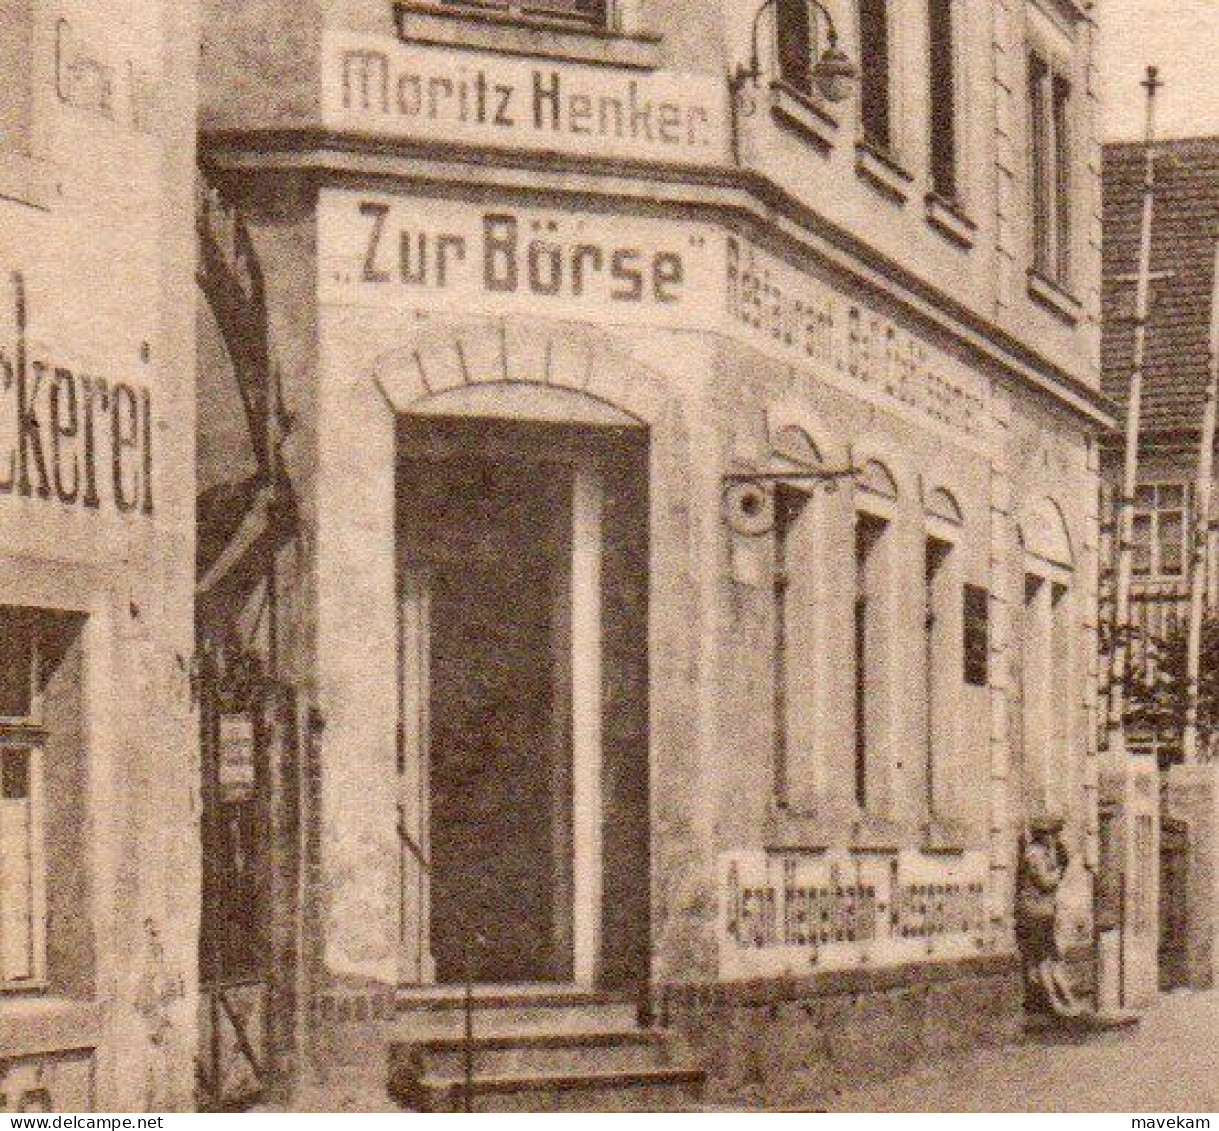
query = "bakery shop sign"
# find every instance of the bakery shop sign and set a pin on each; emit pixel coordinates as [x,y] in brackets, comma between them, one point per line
[67,436]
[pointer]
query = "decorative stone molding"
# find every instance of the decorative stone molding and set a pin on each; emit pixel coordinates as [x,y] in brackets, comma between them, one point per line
[447,366]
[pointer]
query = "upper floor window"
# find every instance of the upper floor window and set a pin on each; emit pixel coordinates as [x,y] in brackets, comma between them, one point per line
[1050,165]
[17,90]
[876,109]
[1161,530]
[943,100]
[795,44]
[592,12]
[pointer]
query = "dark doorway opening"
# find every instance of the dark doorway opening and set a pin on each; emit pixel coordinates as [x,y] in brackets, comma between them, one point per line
[496,531]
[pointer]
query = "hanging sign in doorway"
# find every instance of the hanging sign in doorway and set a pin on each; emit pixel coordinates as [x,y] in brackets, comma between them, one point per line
[236,761]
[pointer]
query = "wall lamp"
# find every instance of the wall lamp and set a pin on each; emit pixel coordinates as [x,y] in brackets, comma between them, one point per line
[751,500]
[833,74]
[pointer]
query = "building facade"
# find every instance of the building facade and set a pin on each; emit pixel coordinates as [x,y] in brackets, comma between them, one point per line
[687,584]
[1177,363]
[98,813]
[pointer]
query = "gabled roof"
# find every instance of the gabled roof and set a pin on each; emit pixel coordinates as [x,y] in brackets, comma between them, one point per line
[1184,232]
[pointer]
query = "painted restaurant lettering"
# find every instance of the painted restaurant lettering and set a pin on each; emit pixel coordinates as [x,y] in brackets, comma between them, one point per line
[780,908]
[68,436]
[417,92]
[799,316]
[427,253]
[515,256]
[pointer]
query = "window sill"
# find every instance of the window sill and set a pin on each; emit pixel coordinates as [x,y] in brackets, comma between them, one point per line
[803,115]
[947,218]
[883,173]
[1167,580]
[828,825]
[26,180]
[30,1025]
[1076,9]
[1054,297]
[942,837]
[537,37]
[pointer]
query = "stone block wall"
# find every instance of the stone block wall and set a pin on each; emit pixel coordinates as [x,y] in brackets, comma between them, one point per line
[797,1044]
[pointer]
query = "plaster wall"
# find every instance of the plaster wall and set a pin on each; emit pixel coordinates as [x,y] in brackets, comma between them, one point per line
[96,232]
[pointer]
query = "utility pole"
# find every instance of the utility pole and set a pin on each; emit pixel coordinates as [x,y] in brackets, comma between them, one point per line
[1200,557]
[1119,669]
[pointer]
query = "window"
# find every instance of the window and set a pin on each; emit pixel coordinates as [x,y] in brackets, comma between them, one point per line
[938,602]
[1062,684]
[45,933]
[1161,530]
[796,616]
[573,11]
[942,75]
[1035,689]
[1061,93]
[1048,684]
[22,861]
[869,626]
[976,635]
[795,44]
[788,505]
[1050,165]
[875,95]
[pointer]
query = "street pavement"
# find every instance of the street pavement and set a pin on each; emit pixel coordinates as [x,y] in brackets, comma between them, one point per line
[1168,1064]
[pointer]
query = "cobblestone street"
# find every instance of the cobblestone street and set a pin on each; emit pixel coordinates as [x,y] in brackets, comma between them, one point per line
[1170,1063]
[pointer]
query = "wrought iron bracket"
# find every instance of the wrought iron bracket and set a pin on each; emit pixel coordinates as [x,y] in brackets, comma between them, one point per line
[750,498]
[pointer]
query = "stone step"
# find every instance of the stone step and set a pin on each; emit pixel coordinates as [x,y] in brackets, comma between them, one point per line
[437,1013]
[642,1090]
[554,1052]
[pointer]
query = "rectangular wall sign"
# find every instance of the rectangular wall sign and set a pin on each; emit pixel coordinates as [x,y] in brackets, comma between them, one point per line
[373,84]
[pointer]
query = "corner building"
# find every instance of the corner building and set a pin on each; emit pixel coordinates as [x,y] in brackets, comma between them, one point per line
[615,703]
[99,857]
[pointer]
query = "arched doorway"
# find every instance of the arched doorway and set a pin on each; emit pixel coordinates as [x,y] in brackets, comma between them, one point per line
[522,534]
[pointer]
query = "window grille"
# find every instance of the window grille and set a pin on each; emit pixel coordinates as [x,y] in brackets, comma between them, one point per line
[589,12]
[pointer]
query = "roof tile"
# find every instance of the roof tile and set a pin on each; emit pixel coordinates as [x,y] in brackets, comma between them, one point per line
[1184,234]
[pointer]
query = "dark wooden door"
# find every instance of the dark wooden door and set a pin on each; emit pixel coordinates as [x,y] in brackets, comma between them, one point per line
[499,748]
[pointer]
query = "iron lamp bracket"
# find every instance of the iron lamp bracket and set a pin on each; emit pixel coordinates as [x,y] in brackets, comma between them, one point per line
[752,503]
